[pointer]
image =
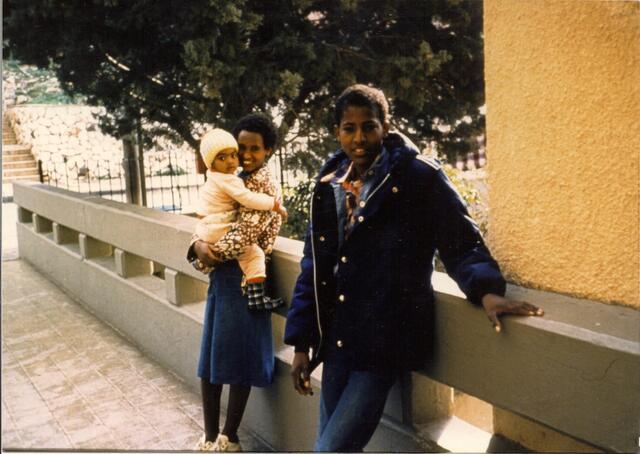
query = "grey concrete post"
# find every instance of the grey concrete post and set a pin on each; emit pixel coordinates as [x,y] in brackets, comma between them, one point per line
[128,265]
[182,289]
[157,269]
[64,235]
[416,399]
[426,400]
[24,216]
[90,247]
[40,224]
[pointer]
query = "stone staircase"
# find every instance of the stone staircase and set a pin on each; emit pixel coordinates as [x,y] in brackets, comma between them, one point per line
[17,161]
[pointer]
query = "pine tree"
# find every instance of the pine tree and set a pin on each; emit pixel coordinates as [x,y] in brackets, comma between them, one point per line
[174,65]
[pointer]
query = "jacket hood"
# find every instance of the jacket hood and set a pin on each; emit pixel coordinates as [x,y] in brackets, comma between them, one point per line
[400,148]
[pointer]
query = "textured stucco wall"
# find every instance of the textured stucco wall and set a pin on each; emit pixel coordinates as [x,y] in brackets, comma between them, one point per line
[563,142]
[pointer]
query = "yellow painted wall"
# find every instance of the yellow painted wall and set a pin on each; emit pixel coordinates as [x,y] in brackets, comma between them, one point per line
[563,144]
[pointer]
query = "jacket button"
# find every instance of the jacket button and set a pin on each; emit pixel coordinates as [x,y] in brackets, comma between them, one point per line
[341,298]
[362,204]
[339,344]
[321,238]
[360,218]
[324,282]
[343,259]
[394,189]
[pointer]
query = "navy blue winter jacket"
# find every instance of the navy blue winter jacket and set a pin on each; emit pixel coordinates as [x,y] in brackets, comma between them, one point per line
[374,292]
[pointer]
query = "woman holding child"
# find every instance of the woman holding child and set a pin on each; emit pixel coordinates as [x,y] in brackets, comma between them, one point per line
[237,347]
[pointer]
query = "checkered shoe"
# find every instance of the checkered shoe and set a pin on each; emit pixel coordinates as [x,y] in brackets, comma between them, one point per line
[258,301]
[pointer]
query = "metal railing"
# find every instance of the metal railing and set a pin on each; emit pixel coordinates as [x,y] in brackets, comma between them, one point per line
[171,180]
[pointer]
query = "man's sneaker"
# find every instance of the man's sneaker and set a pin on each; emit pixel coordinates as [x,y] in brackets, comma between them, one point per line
[204,445]
[223,444]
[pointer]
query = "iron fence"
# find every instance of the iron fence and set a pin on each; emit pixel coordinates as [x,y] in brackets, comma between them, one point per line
[171,180]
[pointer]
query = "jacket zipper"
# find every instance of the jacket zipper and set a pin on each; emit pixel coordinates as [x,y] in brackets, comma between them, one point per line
[315,269]
[315,280]
[378,187]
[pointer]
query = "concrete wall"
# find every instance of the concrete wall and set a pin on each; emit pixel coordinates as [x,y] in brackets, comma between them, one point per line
[575,370]
[563,102]
[69,135]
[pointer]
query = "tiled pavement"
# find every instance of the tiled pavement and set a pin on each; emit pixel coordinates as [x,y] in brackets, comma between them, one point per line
[71,382]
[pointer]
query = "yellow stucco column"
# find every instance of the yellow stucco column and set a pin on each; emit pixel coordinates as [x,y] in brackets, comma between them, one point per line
[563,144]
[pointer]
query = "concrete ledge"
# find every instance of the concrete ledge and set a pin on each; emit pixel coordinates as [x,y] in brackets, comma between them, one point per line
[94,216]
[575,370]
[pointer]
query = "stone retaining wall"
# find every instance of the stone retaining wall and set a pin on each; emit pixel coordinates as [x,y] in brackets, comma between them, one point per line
[65,132]
[70,134]
[8,92]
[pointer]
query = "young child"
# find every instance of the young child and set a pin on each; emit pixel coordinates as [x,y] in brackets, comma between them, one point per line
[218,209]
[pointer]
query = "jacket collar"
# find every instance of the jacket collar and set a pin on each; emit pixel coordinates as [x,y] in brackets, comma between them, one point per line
[399,147]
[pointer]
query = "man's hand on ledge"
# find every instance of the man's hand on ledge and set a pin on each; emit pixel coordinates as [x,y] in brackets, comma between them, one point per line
[495,306]
[205,254]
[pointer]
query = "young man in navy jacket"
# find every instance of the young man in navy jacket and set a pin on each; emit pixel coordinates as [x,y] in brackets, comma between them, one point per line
[363,303]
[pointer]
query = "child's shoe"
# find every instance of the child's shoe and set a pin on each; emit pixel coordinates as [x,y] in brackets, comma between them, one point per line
[258,301]
[224,445]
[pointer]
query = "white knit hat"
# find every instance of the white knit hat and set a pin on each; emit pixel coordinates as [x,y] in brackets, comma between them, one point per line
[213,142]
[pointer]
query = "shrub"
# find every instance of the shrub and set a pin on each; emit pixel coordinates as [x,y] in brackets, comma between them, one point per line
[170,170]
[297,200]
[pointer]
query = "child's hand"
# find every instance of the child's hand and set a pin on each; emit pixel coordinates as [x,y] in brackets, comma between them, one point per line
[279,208]
[282,211]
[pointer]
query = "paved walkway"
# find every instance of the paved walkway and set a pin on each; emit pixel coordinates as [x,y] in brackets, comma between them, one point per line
[70,382]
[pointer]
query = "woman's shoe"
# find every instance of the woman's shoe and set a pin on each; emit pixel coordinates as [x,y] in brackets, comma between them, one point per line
[204,445]
[223,444]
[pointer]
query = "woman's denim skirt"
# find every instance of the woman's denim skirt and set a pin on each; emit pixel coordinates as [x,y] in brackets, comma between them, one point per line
[237,347]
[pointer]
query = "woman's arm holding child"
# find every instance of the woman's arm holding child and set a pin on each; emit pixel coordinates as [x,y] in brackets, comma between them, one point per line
[244,232]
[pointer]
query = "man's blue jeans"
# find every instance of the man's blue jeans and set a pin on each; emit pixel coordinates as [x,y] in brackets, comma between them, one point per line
[351,404]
